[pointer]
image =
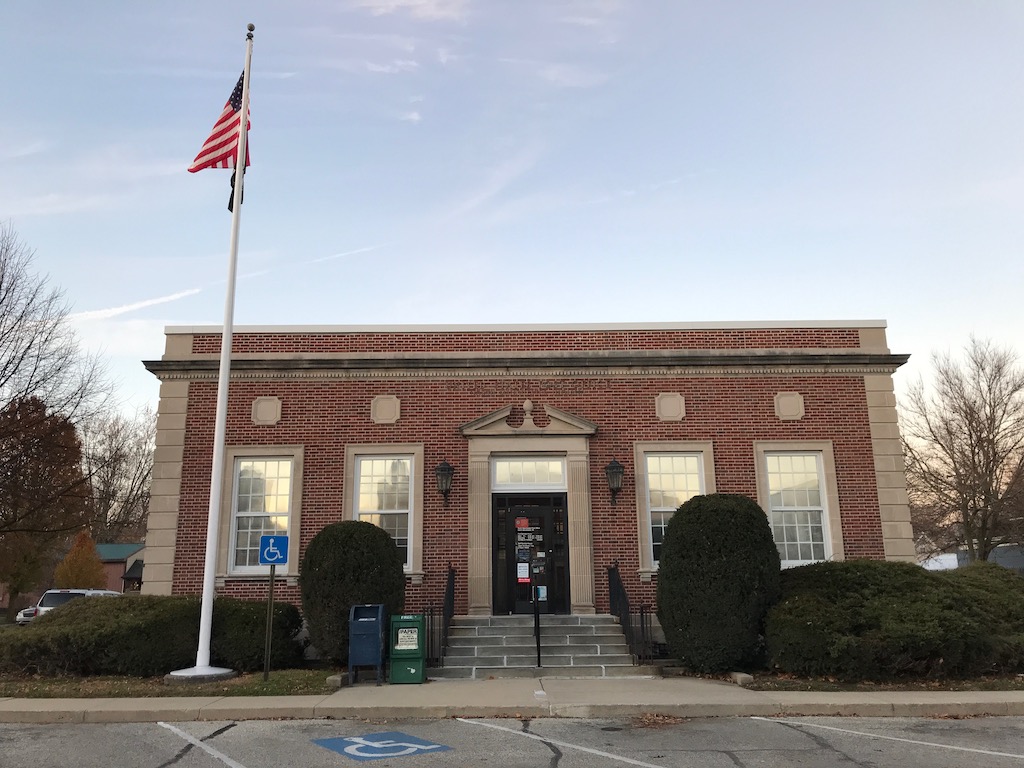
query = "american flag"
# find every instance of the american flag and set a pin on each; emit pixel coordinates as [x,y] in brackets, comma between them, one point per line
[221,148]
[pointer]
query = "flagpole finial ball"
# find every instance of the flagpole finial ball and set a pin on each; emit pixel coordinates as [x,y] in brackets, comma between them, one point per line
[251,27]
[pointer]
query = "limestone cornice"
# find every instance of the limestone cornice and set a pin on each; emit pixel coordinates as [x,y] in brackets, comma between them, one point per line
[575,365]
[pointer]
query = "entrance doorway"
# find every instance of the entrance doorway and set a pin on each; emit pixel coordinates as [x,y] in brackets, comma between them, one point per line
[531,553]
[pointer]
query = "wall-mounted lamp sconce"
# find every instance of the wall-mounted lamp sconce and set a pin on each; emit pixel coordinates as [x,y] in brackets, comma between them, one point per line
[444,473]
[614,472]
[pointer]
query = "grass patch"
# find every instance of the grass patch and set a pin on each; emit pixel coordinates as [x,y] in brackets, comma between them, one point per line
[284,682]
[766,682]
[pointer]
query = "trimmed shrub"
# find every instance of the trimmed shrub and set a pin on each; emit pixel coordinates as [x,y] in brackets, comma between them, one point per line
[877,620]
[148,635]
[240,634]
[718,574]
[348,563]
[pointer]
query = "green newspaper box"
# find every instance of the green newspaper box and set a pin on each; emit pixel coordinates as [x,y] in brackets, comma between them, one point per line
[408,650]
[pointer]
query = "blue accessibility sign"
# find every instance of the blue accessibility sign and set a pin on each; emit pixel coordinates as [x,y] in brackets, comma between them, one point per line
[273,550]
[377,746]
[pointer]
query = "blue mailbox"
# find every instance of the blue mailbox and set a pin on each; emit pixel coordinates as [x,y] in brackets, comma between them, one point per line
[366,633]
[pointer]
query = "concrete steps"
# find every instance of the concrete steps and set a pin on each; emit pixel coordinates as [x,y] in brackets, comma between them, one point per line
[484,647]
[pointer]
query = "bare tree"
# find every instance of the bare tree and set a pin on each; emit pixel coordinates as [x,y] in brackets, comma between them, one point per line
[47,387]
[964,448]
[118,458]
[39,353]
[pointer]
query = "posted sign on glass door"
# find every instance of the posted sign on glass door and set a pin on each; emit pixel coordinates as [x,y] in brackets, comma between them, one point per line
[526,537]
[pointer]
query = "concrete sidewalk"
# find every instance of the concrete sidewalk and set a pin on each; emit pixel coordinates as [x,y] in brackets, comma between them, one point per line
[528,698]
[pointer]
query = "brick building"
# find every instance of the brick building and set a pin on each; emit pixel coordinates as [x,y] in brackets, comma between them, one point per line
[330,423]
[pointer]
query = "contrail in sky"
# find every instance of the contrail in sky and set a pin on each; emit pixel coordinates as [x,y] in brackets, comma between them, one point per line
[103,314]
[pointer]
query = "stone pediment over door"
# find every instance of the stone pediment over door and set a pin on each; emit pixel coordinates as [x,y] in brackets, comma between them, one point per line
[560,424]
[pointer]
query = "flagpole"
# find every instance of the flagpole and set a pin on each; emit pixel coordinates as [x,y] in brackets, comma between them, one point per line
[202,669]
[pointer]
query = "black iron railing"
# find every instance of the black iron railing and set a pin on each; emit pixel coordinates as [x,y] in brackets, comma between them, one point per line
[635,623]
[439,621]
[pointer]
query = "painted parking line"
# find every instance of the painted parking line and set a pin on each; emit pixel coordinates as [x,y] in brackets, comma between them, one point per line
[801,724]
[566,745]
[203,746]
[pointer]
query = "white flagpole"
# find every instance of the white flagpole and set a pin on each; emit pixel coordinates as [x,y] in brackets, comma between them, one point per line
[202,669]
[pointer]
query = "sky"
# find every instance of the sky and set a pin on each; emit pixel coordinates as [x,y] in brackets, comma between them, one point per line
[523,161]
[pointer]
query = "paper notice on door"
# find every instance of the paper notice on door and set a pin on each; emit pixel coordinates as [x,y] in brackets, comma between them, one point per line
[523,572]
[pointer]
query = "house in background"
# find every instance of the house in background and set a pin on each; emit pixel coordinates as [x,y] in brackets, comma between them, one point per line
[122,565]
[524,455]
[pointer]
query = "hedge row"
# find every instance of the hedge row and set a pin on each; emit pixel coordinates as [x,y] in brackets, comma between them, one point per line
[149,635]
[875,620]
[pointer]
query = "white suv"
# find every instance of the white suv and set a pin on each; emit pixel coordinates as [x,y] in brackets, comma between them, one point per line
[52,598]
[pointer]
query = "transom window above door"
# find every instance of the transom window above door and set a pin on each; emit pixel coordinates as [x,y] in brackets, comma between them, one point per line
[538,473]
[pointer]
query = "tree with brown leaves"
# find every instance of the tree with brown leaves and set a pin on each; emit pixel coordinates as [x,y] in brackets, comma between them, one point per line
[81,569]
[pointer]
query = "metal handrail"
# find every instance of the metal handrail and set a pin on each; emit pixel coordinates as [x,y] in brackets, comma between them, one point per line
[636,626]
[439,621]
[536,621]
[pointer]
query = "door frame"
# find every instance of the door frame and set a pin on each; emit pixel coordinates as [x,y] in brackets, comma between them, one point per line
[565,435]
[551,508]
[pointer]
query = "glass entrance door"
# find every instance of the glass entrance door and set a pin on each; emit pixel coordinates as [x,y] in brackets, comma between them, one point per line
[531,554]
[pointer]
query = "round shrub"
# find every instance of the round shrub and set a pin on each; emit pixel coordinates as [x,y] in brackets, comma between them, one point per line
[147,635]
[718,574]
[877,620]
[348,563]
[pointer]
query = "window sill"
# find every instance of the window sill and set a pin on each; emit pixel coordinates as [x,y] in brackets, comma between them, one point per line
[414,577]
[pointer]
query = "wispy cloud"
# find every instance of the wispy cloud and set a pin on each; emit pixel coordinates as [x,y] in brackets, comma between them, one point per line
[411,117]
[14,152]
[395,67]
[432,10]
[560,74]
[571,76]
[117,163]
[498,180]
[192,73]
[367,39]
[591,13]
[104,314]
[334,256]
[53,203]
[624,194]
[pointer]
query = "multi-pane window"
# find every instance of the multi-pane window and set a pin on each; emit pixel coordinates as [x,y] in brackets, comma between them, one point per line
[261,505]
[796,503]
[383,496]
[521,473]
[672,478]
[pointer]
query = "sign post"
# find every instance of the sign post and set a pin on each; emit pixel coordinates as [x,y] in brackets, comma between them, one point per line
[273,550]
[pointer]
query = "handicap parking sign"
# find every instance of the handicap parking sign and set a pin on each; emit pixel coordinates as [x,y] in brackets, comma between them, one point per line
[273,550]
[377,746]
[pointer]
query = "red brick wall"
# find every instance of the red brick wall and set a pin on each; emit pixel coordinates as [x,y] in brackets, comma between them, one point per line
[522,341]
[324,415]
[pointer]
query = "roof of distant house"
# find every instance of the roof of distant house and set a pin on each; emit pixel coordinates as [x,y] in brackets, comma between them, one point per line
[117,553]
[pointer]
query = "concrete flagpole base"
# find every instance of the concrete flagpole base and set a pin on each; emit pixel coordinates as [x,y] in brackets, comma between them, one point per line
[200,675]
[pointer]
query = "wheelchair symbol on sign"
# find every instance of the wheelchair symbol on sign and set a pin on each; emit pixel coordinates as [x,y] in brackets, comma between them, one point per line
[270,552]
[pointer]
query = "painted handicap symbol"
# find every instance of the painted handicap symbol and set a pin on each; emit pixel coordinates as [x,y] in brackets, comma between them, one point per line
[377,746]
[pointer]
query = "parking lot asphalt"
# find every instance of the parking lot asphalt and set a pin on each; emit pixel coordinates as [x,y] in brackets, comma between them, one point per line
[522,698]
